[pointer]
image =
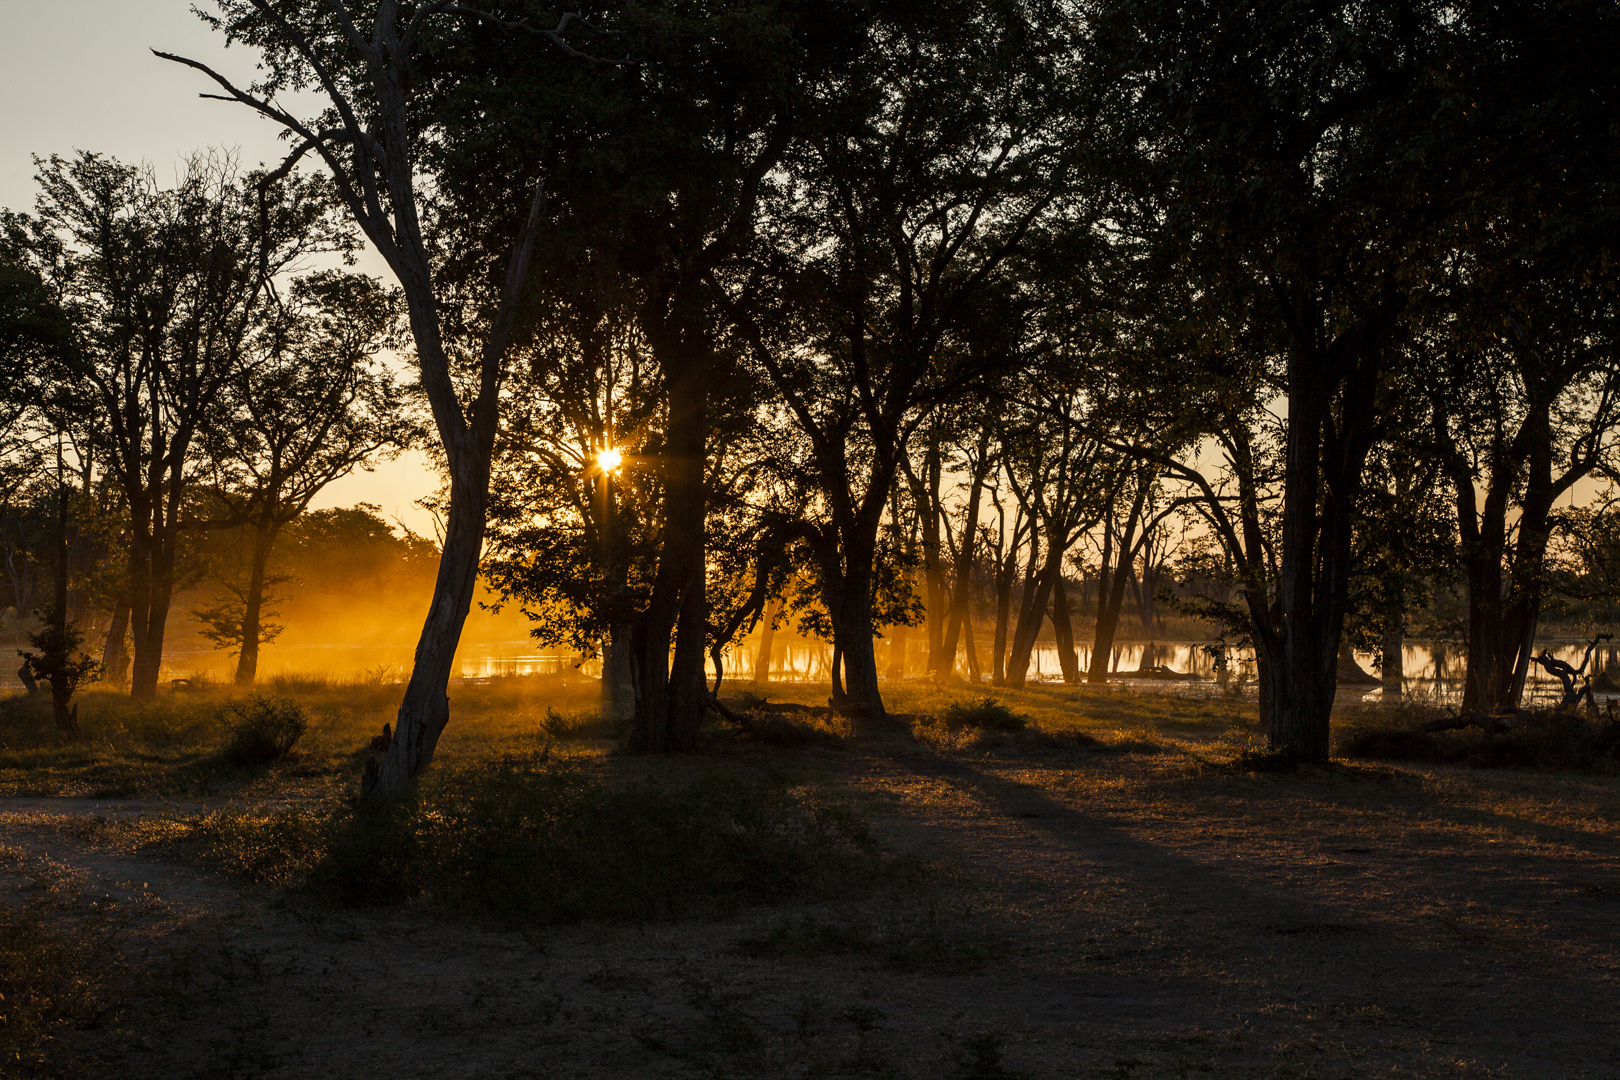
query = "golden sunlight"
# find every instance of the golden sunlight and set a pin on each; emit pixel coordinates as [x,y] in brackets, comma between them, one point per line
[610,459]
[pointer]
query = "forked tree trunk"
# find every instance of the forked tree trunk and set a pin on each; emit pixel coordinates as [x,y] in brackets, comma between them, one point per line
[670,690]
[1038,593]
[1063,631]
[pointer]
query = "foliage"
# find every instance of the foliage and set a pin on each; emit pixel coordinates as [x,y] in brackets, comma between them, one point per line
[985,712]
[537,842]
[55,662]
[1542,740]
[54,974]
[265,730]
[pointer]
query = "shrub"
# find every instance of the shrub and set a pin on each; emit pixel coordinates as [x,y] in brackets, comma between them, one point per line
[52,977]
[526,842]
[1541,740]
[983,713]
[265,729]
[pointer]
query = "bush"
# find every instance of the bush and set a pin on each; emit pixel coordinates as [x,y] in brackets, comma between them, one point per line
[265,729]
[526,842]
[983,713]
[51,978]
[1541,740]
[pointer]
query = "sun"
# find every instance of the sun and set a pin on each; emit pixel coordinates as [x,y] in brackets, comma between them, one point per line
[609,459]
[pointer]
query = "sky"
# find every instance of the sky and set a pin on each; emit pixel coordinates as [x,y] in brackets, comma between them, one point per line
[79,75]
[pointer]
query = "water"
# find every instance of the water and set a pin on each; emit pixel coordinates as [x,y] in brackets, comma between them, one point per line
[1435,669]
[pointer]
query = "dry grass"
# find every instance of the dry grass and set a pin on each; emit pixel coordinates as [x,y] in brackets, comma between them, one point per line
[1104,893]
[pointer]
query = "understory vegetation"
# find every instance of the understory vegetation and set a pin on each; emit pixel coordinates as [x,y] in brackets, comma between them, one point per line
[775,843]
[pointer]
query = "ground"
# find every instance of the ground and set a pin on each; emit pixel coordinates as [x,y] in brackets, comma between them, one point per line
[1133,907]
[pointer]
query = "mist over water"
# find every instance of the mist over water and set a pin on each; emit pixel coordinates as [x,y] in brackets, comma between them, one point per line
[1434,669]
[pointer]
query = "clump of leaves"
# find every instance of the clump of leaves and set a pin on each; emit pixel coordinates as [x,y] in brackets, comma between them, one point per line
[985,713]
[265,729]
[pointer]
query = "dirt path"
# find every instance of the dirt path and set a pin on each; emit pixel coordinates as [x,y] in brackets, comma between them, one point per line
[1100,917]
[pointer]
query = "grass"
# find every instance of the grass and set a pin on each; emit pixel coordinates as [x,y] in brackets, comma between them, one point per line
[1091,844]
[179,744]
[539,841]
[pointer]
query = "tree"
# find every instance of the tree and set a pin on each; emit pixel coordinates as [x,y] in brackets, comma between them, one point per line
[314,404]
[1280,150]
[920,171]
[1525,395]
[375,76]
[169,284]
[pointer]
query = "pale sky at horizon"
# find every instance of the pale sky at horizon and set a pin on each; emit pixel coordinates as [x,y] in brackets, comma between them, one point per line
[79,75]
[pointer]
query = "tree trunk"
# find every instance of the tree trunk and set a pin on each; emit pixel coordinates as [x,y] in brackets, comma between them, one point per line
[425,709]
[1038,592]
[927,497]
[1391,666]
[671,691]
[1005,571]
[618,680]
[944,664]
[247,664]
[899,639]
[975,673]
[1108,606]
[1063,631]
[115,654]
[767,638]
[858,694]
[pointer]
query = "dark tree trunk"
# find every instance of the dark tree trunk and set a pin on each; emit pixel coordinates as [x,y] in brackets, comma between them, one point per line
[1037,593]
[1063,631]
[115,654]
[671,691]
[247,664]
[425,709]
[1006,569]
[899,640]
[944,664]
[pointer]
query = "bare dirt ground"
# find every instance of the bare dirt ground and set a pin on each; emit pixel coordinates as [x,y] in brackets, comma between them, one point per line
[1088,915]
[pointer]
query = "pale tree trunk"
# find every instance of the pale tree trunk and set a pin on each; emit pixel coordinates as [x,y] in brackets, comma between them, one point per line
[767,639]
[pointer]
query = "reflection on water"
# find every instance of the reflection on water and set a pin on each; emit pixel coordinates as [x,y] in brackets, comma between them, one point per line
[1428,668]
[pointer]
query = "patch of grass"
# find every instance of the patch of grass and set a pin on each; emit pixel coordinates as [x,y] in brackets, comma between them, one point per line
[265,729]
[537,841]
[983,713]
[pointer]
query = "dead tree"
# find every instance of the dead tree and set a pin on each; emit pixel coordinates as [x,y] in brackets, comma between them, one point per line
[1566,674]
